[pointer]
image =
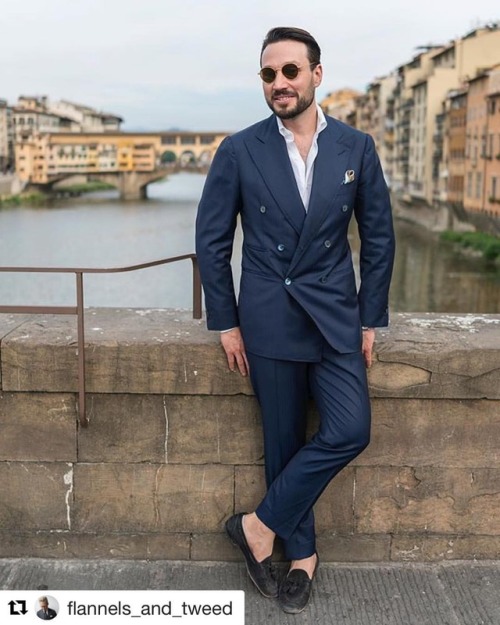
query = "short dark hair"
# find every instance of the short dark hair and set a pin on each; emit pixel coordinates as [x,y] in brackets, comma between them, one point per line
[284,33]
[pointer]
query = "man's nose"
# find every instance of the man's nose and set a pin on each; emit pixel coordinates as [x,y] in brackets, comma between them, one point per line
[280,82]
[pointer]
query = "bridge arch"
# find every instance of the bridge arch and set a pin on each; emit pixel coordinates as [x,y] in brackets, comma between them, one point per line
[187,157]
[168,157]
[205,158]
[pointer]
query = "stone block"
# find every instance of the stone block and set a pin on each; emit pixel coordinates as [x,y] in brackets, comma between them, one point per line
[427,499]
[354,547]
[8,323]
[95,546]
[129,428]
[429,355]
[249,487]
[37,427]
[420,548]
[213,429]
[127,351]
[446,433]
[36,496]
[333,511]
[392,376]
[214,547]
[152,498]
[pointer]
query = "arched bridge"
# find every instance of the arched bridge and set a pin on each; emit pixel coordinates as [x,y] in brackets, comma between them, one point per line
[127,160]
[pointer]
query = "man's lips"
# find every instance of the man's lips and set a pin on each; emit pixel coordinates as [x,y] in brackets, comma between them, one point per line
[283,97]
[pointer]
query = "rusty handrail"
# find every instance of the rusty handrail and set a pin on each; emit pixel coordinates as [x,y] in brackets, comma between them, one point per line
[78,310]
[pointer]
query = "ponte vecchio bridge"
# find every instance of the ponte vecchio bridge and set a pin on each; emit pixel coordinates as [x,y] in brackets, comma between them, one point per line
[127,160]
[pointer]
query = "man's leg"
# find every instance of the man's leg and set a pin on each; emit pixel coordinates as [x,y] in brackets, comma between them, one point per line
[282,390]
[339,386]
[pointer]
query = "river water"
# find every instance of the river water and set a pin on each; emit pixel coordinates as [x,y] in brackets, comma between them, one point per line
[99,230]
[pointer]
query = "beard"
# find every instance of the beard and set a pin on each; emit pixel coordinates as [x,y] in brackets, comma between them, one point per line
[303,103]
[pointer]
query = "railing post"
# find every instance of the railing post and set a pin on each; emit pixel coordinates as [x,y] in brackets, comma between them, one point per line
[81,349]
[197,307]
[80,311]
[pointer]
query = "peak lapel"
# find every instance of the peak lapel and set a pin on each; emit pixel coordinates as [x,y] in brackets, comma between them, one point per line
[268,151]
[329,168]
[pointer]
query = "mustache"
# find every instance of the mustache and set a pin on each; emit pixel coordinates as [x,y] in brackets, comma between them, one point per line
[280,92]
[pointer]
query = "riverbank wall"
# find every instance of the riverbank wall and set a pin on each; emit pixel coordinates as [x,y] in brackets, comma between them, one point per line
[10,185]
[174,447]
[443,216]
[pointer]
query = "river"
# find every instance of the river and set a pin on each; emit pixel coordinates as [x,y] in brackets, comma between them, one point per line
[99,230]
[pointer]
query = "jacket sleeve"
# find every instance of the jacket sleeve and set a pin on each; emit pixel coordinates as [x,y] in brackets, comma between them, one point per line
[374,217]
[215,225]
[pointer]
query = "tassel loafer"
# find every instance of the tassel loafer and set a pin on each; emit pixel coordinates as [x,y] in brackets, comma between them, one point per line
[295,590]
[261,573]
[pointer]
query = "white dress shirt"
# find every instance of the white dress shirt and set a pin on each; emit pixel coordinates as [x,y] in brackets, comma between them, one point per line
[303,170]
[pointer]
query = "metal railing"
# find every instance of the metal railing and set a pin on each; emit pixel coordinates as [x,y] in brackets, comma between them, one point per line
[78,310]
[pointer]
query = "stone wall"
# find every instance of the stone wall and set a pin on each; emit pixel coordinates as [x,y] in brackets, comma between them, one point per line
[174,444]
[10,184]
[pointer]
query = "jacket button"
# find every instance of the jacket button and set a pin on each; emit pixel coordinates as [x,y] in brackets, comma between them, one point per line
[288,282]
[328,243]
[345,208]
[262,209]
[322,279]
[281,247]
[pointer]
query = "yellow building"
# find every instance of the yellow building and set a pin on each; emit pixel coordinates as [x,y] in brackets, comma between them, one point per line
[43,157]
[340,104]
[423,86]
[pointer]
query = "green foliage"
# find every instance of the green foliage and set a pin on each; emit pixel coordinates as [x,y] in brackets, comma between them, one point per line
[86,187]
[487,244]
[23,198]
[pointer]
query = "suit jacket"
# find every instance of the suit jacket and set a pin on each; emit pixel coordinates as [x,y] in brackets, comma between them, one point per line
[297,284]
[47,617]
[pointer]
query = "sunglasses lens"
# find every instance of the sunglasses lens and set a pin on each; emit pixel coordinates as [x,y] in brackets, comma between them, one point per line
[267,74]
[290,71]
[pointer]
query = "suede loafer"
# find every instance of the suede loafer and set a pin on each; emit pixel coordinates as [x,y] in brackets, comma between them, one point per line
[295,590]
[261,573]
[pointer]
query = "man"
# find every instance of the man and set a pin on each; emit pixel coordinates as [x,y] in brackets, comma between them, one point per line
[300,328]
[45,613]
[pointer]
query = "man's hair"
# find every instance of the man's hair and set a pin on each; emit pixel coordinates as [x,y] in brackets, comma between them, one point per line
[43,600]
[287,33]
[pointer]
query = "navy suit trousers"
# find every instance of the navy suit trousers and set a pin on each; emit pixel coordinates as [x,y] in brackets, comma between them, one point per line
[297,471]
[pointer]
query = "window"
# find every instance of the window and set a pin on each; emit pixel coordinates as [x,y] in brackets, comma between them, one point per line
[207,139]
[479,179]
[469,184]
[493,187]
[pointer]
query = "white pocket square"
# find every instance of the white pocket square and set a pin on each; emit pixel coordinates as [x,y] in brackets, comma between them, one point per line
[349,176]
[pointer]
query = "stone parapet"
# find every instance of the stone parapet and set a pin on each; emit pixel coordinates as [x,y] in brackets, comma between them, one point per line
[174,443]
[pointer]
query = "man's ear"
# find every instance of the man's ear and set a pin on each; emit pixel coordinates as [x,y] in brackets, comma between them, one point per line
[318,75]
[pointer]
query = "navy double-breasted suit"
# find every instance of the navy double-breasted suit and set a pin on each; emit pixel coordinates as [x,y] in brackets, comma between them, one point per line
[298,294]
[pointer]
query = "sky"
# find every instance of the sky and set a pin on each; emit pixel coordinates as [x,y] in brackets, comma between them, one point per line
[192,64]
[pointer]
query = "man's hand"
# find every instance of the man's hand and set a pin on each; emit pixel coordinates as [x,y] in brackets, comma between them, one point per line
[367,346]
[232,342]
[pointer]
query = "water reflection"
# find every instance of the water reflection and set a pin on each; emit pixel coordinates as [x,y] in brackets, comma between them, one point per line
[431,275]
[102,231]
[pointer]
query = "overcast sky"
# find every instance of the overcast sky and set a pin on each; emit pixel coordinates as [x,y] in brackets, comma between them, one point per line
[193,64]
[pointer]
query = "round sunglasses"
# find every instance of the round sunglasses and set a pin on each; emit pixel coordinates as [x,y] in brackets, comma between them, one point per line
[289,71]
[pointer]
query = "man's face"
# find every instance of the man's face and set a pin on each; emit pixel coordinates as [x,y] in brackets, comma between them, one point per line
[288,98]
[44,605]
